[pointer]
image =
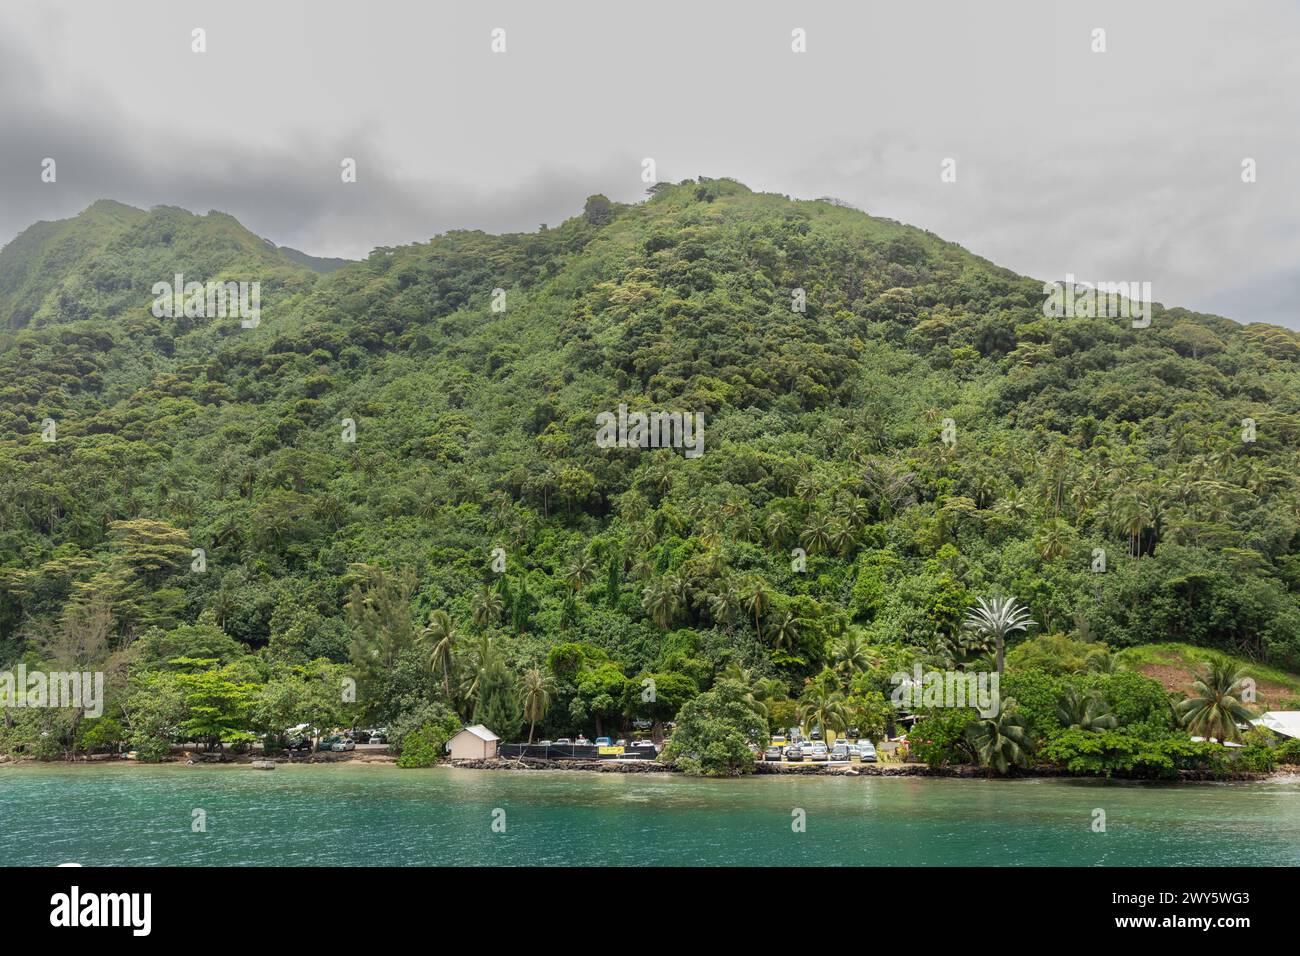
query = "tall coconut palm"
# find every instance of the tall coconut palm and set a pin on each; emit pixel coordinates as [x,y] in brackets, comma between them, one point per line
[778,527]
[851,654]
[759,691]
[817,536]
[997,618]
[724,602]
[757,598]
[1001,742]
[785,632]
[823,707]
[1216,709]
[484,658]
[441,633]
[660,600]
[487,607]
[1085,711]
[581,573]
[535,688]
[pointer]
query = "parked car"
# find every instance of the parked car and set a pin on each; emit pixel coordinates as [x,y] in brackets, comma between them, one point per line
[819,752]
[866,751]
[772,753]
[794,752]
[841,750]
[603,742]
[564,742]
[327,743]
[298,743]
[342,744]
[378,739]
[542,743]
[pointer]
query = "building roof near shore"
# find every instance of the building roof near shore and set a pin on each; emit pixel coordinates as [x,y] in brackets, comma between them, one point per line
[481,732]
[1285,722]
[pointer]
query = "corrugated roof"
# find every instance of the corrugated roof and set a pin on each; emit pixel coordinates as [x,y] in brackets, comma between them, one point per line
[1280,721]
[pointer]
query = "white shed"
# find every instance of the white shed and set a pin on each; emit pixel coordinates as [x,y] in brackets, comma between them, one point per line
[473,743]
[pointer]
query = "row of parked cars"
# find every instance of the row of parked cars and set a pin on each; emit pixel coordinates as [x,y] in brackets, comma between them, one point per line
[817,750]
[338,743]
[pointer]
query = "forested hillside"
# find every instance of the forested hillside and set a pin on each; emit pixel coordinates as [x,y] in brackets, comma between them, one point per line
[920,431]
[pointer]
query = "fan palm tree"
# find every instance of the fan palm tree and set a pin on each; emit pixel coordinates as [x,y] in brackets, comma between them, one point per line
[442,634]
[996,619]
[1216,709]
[535,690]
[1085,711]
[1000,742]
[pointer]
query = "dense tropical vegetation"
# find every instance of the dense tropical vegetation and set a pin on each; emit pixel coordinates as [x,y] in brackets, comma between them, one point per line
[917,440]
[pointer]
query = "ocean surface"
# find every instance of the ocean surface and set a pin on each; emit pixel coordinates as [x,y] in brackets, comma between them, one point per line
[369,815]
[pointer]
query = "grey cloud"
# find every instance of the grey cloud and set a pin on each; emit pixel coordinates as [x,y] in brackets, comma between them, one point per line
[1116,166]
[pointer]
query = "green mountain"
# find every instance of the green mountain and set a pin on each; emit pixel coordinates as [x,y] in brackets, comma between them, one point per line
[920,432]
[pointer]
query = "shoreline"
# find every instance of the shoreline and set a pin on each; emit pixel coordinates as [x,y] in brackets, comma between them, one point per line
[958,771]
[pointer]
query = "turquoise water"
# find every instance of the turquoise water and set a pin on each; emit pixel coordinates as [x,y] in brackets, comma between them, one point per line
[378,815]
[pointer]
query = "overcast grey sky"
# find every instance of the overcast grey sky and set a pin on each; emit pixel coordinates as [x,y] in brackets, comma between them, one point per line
[1123,165]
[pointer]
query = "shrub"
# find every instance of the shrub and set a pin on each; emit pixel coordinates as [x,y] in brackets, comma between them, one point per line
[423,747]
[939,737]
[713,733]
[1119,753]
[1288,751]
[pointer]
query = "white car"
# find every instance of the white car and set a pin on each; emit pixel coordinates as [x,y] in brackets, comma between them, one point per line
[866,751]
[341,745]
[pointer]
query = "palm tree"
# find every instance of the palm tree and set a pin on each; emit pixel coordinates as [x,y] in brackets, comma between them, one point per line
[1085,711]
[822,707]
[817,536]
[1103,662]
[757,599]
[441,632]
[535,690]
[759,691]
[484,659]
[786,631]
[996,619]
[660,600]
[1216,710]
[581,573]
[487,607]
[1000,742]
[842,536]
[778,527]
[851,654]
[724,602]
